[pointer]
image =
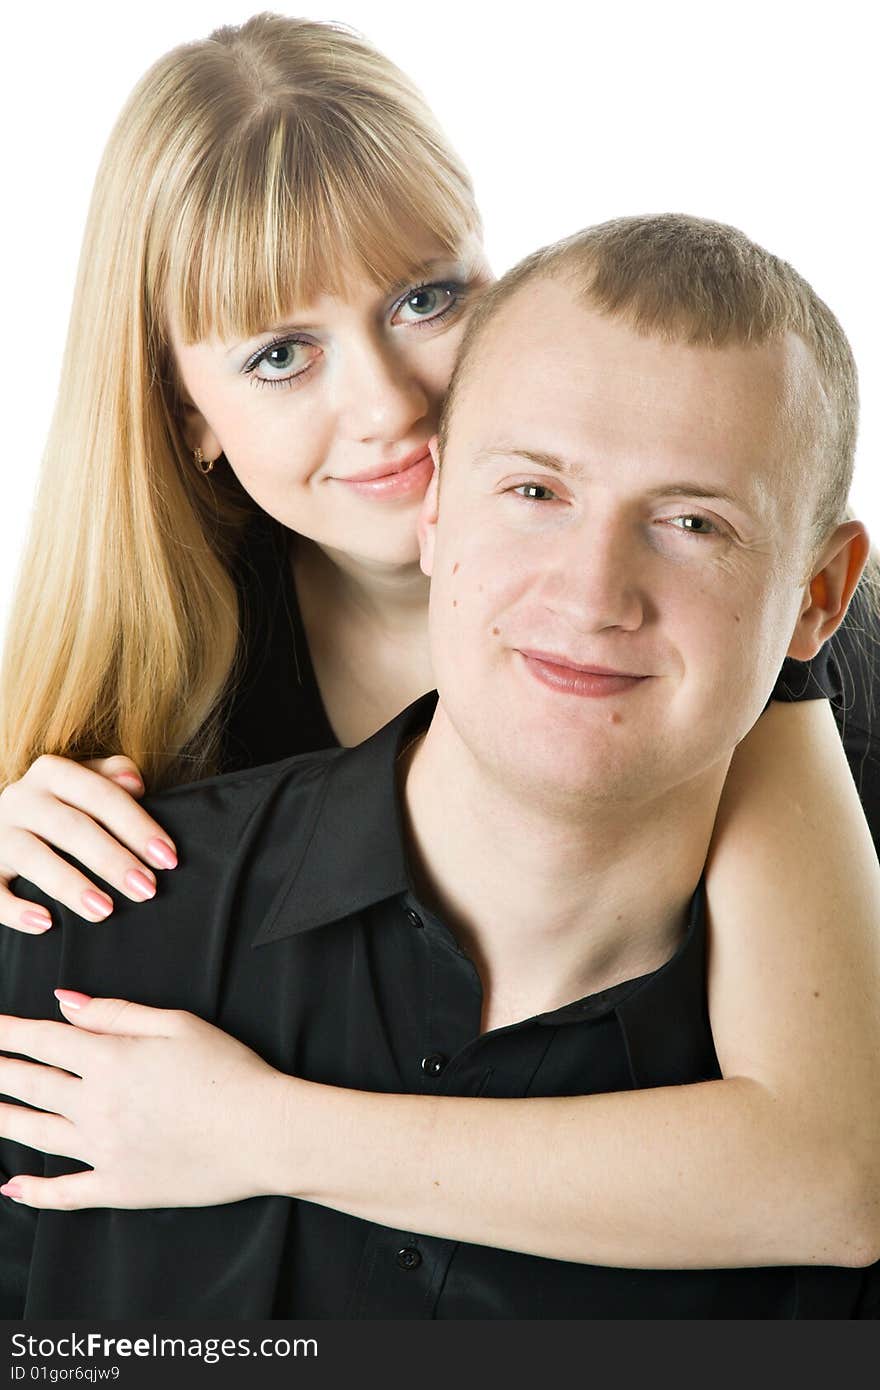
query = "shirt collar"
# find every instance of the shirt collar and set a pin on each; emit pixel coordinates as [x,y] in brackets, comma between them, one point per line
[350,851]
[351,854]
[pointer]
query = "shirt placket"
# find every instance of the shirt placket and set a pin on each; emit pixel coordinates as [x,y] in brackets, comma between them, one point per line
[402,1273]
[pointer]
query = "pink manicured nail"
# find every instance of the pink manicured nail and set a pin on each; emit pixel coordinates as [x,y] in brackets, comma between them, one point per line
[161,854]
[11,1189]
[98,904]
[37,918]
[140,884]
[71,998]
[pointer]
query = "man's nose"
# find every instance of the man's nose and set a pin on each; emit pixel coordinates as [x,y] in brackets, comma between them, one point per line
[380,398]
[598,577]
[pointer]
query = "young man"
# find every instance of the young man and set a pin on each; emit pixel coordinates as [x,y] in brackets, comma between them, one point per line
[636,517]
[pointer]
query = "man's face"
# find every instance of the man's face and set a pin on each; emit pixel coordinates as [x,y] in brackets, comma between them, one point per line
[618,558]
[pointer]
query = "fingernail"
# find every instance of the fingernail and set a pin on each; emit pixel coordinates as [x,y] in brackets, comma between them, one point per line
[71,998]
[142,885]
[38,919]
[11,1189]
[98,904]
[130,781]
[161,854]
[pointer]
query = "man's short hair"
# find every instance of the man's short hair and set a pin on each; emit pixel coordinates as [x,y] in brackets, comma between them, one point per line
[688,280]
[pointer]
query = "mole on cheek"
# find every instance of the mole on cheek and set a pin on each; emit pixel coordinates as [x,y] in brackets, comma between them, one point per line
[737,618]
[495,631]
[616,718]
[455,603]
[455,568]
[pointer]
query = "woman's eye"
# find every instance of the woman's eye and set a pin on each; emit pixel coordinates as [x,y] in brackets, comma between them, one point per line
[282,361]
[427,302]
[535,492]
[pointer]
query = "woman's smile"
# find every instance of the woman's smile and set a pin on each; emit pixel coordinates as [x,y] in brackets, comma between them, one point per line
[389,481]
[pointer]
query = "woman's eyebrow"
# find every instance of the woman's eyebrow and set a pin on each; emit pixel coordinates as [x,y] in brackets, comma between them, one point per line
[275,330]
[423,271]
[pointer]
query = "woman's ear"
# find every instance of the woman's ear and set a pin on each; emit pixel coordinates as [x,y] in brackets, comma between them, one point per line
[427,523]
[827,595]
[197,432]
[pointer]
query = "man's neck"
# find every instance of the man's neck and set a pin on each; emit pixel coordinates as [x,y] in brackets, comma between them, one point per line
[550,907]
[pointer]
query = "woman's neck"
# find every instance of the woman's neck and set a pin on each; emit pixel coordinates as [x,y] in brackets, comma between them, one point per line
[385,596]
[367,630]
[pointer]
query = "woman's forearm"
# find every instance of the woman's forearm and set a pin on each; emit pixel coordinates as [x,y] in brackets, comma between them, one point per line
[717,1174]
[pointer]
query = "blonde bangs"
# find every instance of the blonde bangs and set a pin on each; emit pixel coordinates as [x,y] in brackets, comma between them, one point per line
[298,205]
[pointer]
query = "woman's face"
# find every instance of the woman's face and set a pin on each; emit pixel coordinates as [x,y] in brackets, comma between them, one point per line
[325,418]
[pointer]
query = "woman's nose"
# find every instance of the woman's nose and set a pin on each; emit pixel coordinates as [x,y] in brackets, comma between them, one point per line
[382,400]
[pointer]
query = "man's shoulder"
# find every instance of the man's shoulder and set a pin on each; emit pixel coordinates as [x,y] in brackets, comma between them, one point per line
[217,810]
[236,836]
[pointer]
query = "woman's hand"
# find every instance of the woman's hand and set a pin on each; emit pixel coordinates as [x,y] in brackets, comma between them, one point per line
[89,811]
[167,1109]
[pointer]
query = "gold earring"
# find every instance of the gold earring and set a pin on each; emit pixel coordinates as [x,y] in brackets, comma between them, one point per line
[202,464]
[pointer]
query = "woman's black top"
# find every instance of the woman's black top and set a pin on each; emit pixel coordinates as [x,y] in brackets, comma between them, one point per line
[276,709]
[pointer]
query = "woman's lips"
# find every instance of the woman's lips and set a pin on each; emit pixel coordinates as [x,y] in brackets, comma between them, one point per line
[589,682]
[403,481]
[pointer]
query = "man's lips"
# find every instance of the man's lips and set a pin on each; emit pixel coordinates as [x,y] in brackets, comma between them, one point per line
[401,475]
[573,678]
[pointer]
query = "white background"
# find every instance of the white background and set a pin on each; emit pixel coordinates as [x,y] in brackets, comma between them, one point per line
[566,113]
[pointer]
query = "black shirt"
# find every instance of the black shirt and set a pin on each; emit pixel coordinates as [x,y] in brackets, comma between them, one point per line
[276,709]
[292,923]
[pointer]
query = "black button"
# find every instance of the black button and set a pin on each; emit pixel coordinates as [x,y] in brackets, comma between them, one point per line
[433,1064]
[413,918]
[409,1257]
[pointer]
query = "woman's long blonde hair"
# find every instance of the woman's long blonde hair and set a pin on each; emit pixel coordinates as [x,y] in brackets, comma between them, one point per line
[247,172]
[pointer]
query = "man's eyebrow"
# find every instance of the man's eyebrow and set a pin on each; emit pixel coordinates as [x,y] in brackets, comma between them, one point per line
[685,488]
[555,463]
[538,457]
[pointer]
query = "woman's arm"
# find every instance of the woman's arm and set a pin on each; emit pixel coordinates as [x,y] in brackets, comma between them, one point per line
[776,1164]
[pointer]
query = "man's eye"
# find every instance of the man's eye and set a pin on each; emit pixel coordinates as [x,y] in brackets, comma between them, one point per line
[695,525]
[535,492]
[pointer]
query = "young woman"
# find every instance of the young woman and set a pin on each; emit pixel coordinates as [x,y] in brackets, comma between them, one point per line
[223,571]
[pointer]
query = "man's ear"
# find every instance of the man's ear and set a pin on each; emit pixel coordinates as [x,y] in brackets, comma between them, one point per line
[197,432]
[427,523]
[826,597]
